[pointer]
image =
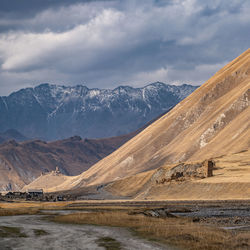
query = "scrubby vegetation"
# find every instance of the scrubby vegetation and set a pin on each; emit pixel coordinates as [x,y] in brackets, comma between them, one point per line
[18,211]
[40,232]
[11,232]
[174,231]
[109,243]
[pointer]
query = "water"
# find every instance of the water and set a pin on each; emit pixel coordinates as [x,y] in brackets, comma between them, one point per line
[216,212]
[247,228]
[66,236]
[62,212]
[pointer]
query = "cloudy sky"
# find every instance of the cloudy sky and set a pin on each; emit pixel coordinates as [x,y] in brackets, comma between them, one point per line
[118,42]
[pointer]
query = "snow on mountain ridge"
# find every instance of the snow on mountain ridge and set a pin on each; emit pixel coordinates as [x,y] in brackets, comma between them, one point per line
[55,111]
[63,94]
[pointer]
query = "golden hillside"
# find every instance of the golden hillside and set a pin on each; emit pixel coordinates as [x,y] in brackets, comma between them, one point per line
[213,121]
[230,180]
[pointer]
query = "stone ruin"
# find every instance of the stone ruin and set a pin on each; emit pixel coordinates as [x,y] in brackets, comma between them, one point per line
[53,172]
[185,171]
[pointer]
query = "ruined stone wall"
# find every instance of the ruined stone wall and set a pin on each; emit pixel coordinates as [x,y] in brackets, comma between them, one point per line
[185,171]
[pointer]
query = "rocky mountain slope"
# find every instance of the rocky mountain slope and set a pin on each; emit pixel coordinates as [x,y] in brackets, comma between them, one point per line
[51,112]
[21,163]
[213,121]
[12,134]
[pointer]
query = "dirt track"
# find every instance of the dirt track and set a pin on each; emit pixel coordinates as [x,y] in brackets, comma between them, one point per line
[39,234]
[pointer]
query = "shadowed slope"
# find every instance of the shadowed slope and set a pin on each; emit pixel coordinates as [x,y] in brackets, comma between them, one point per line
[21,163]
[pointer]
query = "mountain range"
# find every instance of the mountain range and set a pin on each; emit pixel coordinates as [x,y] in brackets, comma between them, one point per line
[51,112]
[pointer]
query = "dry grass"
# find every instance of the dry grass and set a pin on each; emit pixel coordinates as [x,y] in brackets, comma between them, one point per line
[33,204]
[29,208]
[18,211]
[175,231]
[21,208]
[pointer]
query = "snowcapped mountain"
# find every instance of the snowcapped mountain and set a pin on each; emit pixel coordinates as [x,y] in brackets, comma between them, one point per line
[54,112]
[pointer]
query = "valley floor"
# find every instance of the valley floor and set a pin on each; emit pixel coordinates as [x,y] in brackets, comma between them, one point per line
[176,224]
[34,232]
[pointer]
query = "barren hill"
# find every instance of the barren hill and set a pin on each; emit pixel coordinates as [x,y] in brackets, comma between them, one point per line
[12,134]
[21,163]
[179,181]
[230,180]
[213,121]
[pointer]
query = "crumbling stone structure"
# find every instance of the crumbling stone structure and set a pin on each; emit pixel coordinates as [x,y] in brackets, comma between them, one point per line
[210,167]
[55,172]
[185,171]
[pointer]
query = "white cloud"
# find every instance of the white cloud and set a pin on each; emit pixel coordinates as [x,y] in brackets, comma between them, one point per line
[199,74]
[27,50]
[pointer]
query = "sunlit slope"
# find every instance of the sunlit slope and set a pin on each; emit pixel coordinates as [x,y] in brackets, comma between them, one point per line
[212,121]
[48,182]
[230,180]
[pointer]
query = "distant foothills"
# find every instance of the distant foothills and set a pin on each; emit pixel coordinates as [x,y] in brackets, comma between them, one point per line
[12,134]
[50,112]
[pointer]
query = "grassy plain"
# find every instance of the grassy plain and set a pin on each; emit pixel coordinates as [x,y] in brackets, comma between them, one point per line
[181,232]
[21,208]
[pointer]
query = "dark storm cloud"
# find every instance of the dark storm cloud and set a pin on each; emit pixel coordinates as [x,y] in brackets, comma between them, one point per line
[17,10]
[24,7]
[106,43]
[24,15]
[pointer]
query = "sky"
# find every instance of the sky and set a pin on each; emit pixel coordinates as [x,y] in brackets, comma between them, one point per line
[107,43]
